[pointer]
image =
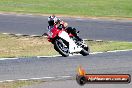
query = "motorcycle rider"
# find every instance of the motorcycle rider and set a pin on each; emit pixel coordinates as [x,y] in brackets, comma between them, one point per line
[53,21]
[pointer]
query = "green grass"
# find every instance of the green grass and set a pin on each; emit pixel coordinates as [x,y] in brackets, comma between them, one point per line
[18,84]
[14,46]
[24,46]
[107,8]
[109,46]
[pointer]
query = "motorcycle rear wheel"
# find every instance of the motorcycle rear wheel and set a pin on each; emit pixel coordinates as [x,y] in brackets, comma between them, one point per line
[85,51]
[59,47]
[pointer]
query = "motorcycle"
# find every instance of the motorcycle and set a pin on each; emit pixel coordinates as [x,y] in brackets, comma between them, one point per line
[65,43]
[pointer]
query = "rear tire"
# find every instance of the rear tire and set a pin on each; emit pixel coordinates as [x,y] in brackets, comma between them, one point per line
[59,49]
[85,51]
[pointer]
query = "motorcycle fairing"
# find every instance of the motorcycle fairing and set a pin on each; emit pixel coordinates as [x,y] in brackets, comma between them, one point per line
[72,46]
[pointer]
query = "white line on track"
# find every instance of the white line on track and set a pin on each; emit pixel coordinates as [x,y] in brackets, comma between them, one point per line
[71,54]
[120,50]
[6,33]
[22,79]
[97,52]
[90,53]
[41,78]
[57,77]
[8,80]
[8,58]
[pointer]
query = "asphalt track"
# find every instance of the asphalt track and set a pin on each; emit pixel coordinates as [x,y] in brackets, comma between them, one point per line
[73,84]
[97,29]
[26,68]
[119,62]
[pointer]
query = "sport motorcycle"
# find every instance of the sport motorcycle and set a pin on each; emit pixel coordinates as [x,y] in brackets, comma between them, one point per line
[67,44]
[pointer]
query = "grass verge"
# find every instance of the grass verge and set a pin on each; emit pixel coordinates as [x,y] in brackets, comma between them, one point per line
[109,46]
[107,8]
[18,84]
[19,46]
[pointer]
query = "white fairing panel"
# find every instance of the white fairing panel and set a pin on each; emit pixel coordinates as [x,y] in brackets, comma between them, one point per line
[72,46]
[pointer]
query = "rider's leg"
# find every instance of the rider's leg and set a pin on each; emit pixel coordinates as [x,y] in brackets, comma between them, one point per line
[74,32]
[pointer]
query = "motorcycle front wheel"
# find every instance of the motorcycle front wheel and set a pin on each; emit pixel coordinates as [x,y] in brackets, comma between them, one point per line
[61,46]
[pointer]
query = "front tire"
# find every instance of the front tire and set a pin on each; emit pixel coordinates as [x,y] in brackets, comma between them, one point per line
[59,47]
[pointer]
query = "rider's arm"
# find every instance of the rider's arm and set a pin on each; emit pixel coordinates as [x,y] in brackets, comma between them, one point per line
[62,25]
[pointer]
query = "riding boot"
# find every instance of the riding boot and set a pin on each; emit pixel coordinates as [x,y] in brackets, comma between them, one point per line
[78,38]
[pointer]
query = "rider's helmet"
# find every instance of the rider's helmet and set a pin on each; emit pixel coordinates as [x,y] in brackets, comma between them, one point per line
[52,20]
